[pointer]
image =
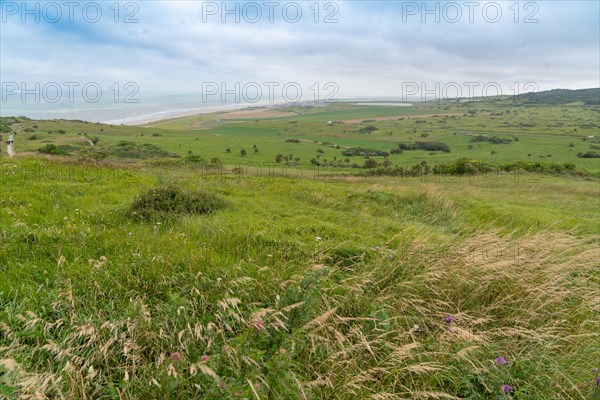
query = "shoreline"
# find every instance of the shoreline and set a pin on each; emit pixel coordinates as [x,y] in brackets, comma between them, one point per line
[170,115]
[153,117]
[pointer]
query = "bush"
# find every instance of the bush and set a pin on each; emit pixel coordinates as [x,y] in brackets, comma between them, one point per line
[129,149]
[491,139]
[429,146]
[360,151]
[193,159]
[589,154]
[164,203]
[370,163]
[54,150]
[368,129]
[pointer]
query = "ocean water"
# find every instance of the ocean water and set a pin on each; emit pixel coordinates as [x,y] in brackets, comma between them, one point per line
[148,109]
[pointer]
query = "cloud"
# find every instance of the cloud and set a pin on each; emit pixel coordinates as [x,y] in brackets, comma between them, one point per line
[371,51]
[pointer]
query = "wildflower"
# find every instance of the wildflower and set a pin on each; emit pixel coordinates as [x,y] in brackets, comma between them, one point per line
[500,361]
[450,329]
[259,324]
[377,248]
[595,370]
[257,386]
[176,356]
[598,381]
[282,350]
[507,389]
[204,358]
[448,319]
[319,239]
[416,328]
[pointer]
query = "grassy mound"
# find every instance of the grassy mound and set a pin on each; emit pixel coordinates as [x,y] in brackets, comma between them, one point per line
[168,202]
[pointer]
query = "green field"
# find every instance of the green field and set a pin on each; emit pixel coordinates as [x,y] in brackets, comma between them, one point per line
[308,281]
[533,133]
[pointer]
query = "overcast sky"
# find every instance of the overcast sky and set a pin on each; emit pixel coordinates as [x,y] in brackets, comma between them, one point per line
[367,48]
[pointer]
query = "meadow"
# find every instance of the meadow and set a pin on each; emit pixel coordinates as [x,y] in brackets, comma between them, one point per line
[526,133]
[311,285]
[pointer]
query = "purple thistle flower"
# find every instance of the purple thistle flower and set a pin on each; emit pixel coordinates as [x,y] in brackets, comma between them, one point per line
[176,356]
[595,370]
[598,381]
[258,324]
[507,389]
[500,361]
[448,319]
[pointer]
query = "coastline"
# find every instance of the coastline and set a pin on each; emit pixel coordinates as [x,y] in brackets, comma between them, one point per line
[168,115]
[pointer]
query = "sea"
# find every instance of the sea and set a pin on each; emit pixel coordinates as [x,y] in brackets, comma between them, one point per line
[144,110]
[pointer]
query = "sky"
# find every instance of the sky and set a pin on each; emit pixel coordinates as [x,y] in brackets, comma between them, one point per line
[326,49]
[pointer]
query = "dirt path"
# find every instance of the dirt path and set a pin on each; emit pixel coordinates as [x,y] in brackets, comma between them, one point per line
[10,143]
[10,149]
[87,140]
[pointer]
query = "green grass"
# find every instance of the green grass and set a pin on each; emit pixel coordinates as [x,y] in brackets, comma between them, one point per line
[327,288]
[538,133]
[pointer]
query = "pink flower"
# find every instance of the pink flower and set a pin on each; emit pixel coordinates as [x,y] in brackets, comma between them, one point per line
[500,361]
[448,319]
[258,324]
[176,356]
[282,350]
[257,386]
[507,389]
[204,358]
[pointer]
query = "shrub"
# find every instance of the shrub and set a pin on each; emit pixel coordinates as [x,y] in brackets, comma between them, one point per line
[128,149]
[164,203]
[54,150]
[368,129]
[491,139]
[360,151]
[193,159]
[370,163]
[589,154]
[428,146]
